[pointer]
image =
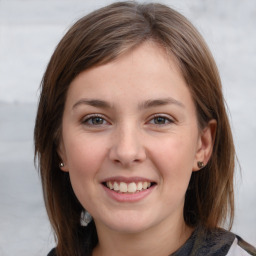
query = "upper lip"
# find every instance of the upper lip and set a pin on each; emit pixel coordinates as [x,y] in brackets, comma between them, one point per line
[127,179]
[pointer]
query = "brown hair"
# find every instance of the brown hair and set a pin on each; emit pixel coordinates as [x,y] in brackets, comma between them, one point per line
[99,38]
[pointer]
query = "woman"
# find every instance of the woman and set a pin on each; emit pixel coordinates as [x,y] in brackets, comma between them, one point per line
[134,145]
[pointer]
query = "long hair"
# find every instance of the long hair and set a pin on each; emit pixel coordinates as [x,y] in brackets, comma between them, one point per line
[99,38]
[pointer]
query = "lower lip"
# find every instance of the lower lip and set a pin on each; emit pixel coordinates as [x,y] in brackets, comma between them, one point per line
[128,197]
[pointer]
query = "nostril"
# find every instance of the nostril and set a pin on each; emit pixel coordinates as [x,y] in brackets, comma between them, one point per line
[126,151]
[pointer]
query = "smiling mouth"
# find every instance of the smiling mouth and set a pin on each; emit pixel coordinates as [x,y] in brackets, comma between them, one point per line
[131,188]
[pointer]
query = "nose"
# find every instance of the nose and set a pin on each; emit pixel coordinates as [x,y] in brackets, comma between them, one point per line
[127,146]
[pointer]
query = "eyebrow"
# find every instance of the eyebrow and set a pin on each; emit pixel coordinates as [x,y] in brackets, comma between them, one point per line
[160,102]
[92,102]
[144,105]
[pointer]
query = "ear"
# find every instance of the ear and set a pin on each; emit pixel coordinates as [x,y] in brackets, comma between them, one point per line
[62,155]
[205,144]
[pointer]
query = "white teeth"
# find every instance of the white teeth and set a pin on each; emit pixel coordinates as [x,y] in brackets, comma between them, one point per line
[116,186]
[145,185]
[139,186]
[109,185]
[132,187]
[123,187]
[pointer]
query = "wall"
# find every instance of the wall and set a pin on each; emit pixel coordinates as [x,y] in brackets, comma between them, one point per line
[29,32]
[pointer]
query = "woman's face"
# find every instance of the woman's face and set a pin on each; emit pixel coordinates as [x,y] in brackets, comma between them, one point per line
[130,140]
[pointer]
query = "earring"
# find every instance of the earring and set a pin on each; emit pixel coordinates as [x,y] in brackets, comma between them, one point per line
[200,164]
[85,218]
[61,164]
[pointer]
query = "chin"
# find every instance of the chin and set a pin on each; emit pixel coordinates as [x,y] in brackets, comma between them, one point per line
[130,223]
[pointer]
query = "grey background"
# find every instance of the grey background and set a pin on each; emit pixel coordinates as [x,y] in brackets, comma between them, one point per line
[29,32]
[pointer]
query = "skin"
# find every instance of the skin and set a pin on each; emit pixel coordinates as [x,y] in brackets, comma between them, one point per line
[146,127]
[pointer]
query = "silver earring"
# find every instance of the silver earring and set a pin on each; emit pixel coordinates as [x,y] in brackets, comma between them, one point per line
[61,164]
[200,164]
[85,218]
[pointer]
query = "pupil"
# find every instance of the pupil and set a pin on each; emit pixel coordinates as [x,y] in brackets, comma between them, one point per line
[97,120]
[160,120]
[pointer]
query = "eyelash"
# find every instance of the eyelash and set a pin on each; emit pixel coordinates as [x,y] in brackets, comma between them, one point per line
[165,118]
[88,120]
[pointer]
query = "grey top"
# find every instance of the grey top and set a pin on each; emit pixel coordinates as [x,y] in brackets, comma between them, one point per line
[205,242]
[214,242]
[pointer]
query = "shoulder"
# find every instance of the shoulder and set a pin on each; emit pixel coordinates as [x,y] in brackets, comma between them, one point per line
[241,248]
[52,253]
[215,242]
[222,242]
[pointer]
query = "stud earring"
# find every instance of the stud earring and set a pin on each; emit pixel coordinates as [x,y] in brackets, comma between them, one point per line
[85,218]
[61,164]
[200,164]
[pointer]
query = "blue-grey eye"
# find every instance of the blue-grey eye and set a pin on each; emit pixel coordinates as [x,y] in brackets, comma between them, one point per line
[97,120]
[160,120]
[94,120]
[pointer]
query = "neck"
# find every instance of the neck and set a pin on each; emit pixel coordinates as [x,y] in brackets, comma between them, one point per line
[159,240]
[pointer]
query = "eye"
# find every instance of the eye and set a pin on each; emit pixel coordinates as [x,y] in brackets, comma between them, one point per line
[160,120]
[94,120]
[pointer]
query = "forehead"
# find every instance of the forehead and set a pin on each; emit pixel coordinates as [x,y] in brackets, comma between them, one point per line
[147,71]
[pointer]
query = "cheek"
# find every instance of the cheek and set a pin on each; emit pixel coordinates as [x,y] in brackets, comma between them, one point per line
[84,157]
[174,158]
